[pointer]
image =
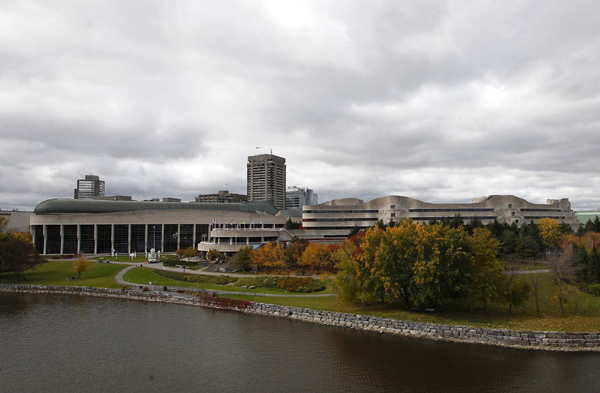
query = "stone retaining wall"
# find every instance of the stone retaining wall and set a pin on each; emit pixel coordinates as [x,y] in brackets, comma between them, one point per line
[502,337]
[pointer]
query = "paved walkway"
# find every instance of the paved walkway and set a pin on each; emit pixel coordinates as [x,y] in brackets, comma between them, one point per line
[119,278]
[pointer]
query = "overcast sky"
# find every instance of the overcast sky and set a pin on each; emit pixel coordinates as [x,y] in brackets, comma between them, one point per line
[442,101]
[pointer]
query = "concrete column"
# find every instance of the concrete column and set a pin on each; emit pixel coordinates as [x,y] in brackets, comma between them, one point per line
[112,237]
[62,238]
[162,238]
[145,237]
[178,235]
[95,238]
[45,233]
[128,238]
[194,236]
[78,239]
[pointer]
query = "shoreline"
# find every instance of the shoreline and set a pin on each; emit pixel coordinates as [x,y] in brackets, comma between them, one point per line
[506,338]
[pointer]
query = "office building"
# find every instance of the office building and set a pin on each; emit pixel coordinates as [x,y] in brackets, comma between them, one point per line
[334,219]
[266,179]
[223,196]
[298,197]
[89,187]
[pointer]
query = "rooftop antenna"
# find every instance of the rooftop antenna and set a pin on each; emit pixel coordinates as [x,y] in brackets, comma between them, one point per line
[271,150]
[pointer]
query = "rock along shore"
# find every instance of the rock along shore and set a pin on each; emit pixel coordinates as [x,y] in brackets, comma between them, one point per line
[541,340]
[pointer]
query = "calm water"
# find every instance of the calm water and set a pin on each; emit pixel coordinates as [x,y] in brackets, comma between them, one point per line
[53,343]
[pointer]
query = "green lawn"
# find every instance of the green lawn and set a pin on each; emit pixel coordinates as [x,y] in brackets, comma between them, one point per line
[142,275]
[581,315]
[58,272]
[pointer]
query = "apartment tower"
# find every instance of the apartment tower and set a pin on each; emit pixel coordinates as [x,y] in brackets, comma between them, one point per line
[266,179]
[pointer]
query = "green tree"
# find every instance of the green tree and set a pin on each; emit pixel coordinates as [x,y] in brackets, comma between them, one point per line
[516,292]
[18,256]
[294,251]
[527,247]
[242,259]
[290,224]
[354,231]
[509,242]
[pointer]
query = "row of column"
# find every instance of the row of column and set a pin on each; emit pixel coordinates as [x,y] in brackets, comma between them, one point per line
[112,237]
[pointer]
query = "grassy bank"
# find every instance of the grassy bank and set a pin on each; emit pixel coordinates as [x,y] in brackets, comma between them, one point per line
[582,313]
[59,272]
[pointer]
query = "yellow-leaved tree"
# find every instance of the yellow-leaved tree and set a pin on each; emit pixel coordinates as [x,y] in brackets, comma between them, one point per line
[488,280]
[81,264]
[317,257]
[549,232]
[268,256]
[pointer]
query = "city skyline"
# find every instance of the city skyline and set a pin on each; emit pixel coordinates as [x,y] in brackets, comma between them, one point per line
[442,102]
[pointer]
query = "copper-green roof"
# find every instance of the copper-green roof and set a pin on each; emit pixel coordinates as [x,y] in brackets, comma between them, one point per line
[82,206]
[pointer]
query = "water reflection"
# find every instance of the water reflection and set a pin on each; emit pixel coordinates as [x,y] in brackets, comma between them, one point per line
[136,346]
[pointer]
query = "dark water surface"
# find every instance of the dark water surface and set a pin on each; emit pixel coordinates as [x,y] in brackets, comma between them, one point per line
[54,343]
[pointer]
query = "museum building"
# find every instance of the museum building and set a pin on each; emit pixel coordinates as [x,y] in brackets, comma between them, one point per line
[69,226]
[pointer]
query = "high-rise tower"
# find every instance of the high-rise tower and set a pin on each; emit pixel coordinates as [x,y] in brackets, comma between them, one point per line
[89,188]
[266,179]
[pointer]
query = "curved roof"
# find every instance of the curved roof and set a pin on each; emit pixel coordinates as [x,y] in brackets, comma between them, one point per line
[82,206]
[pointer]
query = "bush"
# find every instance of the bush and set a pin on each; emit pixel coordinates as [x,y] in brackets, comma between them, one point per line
[145,289]
[592,289]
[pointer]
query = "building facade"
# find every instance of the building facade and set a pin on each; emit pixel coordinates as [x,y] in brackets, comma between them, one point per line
[334,219]
[223,196]
[67,226]
[266,177]
[298,197]
[89,188]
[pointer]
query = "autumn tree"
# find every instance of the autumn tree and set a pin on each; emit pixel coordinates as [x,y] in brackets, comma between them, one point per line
[550,232]
[395,259]
[18,256]
[488,278]
[345,282]
[179,252]
[81,264]
[365,266]
[316,256]
[212,255]
[268,256]
[190,253]
[444,267]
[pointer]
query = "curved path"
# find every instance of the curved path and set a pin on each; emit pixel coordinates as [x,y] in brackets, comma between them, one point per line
[120,279]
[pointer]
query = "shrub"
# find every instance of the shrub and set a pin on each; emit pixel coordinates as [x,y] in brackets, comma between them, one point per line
[592,289]
[145,289]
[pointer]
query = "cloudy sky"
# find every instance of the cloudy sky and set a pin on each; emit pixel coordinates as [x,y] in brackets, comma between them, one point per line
[436,100]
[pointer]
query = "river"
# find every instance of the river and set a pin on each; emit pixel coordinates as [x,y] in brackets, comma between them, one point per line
[61,343]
